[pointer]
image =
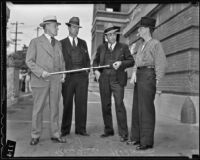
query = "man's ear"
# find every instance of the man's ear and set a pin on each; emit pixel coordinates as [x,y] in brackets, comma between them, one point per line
[106,38]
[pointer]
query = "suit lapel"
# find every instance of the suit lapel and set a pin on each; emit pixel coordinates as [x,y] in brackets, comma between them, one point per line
[46,45]
[117,51]
[68,46]
[81,47]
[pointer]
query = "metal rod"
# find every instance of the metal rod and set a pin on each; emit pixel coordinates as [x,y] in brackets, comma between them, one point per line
[78,70]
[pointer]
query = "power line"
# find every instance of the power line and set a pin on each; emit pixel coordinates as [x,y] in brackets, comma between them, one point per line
[25,26]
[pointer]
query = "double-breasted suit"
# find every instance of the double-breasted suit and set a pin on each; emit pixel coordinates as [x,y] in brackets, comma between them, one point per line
[75,86]
[113,81]
[42,56]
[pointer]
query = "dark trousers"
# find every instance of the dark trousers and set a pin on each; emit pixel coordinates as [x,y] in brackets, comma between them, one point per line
[108,85]
[75,87]
[143,112]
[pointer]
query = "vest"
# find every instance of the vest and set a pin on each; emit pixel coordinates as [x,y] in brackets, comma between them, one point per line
[109,59]
[77,58]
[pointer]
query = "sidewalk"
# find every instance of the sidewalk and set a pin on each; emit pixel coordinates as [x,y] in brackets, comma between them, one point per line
[172,138]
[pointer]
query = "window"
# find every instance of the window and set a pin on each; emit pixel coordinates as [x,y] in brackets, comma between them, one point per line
[113,7]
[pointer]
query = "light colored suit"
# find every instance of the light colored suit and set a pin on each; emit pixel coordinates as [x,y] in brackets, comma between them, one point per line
[42,56]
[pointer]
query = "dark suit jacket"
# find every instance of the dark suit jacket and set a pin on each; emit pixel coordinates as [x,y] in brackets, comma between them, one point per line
[121,53]
[67,48]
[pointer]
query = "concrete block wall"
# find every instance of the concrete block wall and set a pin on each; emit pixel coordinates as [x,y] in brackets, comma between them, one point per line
[12,85]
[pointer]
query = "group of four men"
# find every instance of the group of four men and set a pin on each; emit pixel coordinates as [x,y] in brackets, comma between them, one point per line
[46,55]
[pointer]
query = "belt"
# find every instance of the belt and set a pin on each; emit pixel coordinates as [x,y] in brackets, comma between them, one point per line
[146,67]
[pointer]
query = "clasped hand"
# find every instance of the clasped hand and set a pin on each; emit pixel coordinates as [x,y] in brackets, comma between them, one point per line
[117,64]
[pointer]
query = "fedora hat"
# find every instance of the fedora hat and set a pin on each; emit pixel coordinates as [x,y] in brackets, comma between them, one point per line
[74,21]
[49,19]
[110,28]
[147,22]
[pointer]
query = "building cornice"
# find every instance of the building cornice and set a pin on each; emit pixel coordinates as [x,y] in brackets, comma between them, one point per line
[110,20]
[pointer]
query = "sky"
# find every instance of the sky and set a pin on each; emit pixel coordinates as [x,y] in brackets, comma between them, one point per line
[32,16]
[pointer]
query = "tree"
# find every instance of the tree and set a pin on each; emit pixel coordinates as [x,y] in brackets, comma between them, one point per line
[18,59]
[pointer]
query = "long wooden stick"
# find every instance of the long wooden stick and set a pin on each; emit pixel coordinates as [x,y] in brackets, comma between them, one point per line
[78,70]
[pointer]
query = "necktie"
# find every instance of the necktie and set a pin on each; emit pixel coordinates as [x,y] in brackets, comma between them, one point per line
[53,41]
[74,44]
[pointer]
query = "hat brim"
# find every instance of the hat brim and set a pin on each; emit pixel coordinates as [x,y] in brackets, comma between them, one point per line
[141,25]
[68,24]
[113,31]
[42,24]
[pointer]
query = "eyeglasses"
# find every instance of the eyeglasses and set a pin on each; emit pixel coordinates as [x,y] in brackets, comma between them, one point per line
[111,34]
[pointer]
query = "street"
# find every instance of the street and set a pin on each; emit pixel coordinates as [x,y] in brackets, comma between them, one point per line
[172,138]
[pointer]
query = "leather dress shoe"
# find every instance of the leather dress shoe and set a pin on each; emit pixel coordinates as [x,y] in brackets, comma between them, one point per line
[34,141]
[123,138]
[64,134]
[82,133]
[58,139]
[107,134]
[130,142]
[144,147]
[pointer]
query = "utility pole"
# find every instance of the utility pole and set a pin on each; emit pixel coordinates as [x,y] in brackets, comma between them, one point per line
[16,32]
[37,29]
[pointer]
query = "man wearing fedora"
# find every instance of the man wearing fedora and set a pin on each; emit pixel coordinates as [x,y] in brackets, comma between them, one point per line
[44,56]
[76,56]
[113,80]
[150,68]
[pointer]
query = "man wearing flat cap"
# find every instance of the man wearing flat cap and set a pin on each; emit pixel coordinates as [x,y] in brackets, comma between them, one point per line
[44,56]
[113,80]
[76,56]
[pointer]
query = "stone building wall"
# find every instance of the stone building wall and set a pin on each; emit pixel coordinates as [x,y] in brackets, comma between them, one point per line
[177,28]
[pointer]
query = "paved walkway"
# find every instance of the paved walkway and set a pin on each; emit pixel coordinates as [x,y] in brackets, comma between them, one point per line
[172,138]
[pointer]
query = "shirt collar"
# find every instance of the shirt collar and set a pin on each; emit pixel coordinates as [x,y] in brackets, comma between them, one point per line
[48,37]
[71,39]
[113,45]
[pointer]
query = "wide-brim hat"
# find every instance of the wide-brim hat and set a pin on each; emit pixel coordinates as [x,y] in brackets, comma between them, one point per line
[74,21]
[110,28]
[49,19]
[147,22]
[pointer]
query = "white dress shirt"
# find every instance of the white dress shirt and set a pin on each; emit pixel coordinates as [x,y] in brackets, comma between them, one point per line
[113,45]
[48,37]
[71,40]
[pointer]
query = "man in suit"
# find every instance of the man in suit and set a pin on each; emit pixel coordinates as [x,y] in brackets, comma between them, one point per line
[76,56]
[44,56]
[113,80]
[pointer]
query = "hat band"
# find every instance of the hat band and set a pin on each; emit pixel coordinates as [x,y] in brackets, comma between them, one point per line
[51,20]
[145,25]
[109,29]
[72,22]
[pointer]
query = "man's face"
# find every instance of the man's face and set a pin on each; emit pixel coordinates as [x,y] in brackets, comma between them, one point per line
[73,30]
[52,28]
[143,31]
[111,37]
